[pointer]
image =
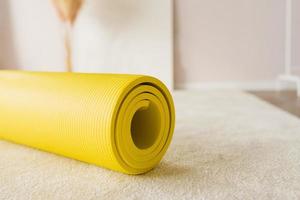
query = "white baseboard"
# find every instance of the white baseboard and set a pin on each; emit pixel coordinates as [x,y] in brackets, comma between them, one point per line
[239,85]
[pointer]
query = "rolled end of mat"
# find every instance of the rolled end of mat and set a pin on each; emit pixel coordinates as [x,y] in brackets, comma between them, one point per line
[121,122]
[144,125]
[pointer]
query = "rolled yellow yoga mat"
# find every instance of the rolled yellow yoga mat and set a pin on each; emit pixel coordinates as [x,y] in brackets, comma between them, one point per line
[121,122]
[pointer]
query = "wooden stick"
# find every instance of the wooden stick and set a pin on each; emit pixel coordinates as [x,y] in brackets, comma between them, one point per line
[68,46]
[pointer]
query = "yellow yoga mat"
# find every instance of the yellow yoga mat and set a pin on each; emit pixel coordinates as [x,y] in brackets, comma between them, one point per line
[120,122]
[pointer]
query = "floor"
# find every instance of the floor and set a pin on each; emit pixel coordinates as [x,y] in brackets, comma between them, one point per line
[226,145]
[286,100]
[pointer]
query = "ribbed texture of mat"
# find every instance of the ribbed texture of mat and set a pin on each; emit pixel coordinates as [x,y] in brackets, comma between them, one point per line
[121,122]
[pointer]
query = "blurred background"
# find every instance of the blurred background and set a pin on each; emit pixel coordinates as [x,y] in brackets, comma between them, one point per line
[189,44]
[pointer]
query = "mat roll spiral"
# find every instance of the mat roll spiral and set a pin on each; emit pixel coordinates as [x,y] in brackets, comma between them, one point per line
[121,122]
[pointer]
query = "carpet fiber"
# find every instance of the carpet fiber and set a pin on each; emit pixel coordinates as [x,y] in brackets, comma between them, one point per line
[226,145]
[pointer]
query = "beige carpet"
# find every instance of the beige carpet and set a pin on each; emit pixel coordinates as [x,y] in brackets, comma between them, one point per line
[227,145]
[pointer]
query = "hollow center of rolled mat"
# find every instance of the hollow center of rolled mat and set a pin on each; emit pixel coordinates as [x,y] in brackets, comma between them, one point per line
[145,126]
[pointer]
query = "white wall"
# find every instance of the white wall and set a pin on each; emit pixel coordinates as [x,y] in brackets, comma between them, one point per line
[125,36]
[117,36]
[230,43]
[296,34]
[7,51]
[30,36]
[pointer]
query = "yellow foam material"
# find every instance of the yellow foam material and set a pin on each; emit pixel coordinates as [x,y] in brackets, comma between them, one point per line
[120,122]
